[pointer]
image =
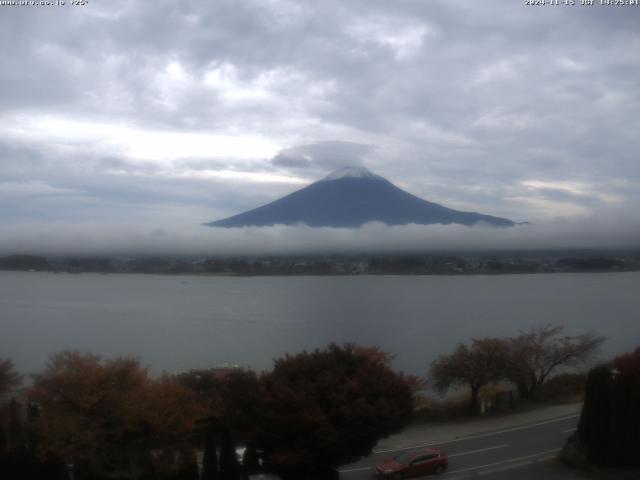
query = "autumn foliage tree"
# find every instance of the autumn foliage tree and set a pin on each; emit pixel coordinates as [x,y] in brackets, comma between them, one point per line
[9,377]
[105,417]
[328,407]
[538,352]
[257,411]
[9,380]
[474,366]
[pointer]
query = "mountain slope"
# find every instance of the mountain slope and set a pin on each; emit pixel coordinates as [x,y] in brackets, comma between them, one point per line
[349,198]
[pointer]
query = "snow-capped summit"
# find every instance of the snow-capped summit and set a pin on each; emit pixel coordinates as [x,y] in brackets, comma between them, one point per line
[349,198]
[350,172]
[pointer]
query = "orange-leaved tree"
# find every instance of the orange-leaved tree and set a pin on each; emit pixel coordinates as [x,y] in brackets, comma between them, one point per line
[106,417]
[9,377]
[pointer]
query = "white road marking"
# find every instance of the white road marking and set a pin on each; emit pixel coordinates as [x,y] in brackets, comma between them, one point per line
[514,429]
[388,450]
[481,435]
[477,451]
[504,468]
[569,430]
[546,459]
[359,469]
[517,459]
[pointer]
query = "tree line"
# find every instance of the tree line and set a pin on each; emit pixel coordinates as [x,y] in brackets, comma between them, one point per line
[314,411]
[110,419]
[527,360]
[415,264]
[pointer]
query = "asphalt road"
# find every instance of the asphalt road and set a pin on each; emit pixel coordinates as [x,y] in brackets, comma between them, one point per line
[487,455]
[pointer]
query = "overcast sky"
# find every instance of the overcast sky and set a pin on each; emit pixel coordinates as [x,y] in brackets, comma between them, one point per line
[157,116]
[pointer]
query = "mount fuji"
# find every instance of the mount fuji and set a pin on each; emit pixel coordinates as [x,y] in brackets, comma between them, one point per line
[349,198]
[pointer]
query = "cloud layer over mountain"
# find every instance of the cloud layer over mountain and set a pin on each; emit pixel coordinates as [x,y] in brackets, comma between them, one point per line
[71,239]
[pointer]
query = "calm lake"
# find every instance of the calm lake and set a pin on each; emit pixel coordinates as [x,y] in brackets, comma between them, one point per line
[175,323]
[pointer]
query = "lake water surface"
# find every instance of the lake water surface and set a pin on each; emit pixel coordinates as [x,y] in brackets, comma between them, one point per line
[175,323]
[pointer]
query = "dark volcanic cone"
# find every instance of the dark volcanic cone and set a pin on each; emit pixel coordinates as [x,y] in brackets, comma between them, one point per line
[349,198]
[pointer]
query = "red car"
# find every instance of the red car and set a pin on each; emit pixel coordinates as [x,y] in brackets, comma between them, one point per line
[413,464]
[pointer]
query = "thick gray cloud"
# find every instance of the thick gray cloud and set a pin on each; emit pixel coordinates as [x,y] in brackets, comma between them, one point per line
[322,157]
[122,112]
